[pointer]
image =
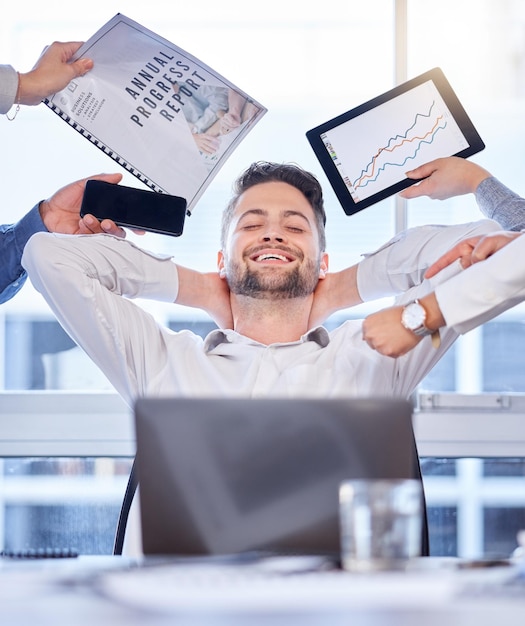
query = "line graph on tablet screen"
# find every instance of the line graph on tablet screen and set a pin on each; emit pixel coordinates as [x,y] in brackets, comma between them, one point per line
[402,148]
[375,149]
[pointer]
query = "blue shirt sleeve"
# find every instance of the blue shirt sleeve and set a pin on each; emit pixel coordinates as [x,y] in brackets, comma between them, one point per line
[13,238]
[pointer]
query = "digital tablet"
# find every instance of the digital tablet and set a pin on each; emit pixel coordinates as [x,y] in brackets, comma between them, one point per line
[366,152]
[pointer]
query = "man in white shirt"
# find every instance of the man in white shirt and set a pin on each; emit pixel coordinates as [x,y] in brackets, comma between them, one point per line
[274,263]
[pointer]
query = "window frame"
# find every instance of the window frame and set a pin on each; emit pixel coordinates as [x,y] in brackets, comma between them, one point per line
[58,424]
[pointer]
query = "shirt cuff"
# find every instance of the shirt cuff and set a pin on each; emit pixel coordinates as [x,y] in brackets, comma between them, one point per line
[8,87]
[30,224]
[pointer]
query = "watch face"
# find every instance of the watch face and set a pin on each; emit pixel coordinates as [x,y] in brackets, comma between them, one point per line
[413,316]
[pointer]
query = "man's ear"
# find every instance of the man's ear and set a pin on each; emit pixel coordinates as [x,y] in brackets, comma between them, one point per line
[323,268]
[220,264]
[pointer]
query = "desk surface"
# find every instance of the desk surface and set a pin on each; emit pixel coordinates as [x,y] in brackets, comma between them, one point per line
[284,591]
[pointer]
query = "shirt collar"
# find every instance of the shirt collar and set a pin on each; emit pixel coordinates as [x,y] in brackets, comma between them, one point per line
[319,335]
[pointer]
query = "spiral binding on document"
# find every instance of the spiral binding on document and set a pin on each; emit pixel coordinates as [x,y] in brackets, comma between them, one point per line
[102,146]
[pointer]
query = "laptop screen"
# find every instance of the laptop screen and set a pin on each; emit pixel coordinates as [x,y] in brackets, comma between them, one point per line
[223,475]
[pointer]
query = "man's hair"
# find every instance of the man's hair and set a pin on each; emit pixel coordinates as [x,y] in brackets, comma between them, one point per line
[266,172]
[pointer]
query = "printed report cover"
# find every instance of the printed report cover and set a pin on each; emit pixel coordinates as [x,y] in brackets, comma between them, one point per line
[155,109]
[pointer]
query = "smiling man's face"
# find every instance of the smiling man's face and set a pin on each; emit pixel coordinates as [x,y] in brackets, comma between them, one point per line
[272,247]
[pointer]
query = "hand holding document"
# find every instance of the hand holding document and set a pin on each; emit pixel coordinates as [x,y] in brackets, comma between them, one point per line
[156,109]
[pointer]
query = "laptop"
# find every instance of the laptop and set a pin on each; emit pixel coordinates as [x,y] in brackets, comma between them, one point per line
[223,476]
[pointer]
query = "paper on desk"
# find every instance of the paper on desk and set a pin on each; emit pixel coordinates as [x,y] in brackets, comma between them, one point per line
[262,588]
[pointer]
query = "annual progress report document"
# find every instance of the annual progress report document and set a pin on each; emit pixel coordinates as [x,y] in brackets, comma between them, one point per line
[162,114]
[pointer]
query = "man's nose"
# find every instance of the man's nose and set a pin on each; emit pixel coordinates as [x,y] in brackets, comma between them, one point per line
[273,233]
[274,237]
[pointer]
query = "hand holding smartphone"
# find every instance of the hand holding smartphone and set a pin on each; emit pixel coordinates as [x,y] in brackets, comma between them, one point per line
[134,208]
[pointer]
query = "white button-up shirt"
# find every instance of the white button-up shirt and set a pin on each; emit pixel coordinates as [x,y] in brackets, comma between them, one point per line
[84,280]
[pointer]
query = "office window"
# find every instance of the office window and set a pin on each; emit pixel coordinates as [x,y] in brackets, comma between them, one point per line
[502,524]
[484,59]
[61,503]
[443,530]
[485,63]
[504,365]
[475,506]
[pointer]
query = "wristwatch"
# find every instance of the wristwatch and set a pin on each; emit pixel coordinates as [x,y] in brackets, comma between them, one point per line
[413,318]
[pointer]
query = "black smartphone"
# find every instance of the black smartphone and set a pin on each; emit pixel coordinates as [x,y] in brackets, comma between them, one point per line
[134,208]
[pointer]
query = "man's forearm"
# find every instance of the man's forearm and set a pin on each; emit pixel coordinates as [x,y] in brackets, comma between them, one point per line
[336,291]
[205,291]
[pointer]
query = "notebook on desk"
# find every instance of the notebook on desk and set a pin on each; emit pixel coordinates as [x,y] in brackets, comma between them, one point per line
[222,476]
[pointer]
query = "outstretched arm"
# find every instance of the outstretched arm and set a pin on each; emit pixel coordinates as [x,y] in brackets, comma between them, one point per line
[453,176]
[395,268]
[463,302]
[53,71]
[61,212]
[472,250]
[445,178]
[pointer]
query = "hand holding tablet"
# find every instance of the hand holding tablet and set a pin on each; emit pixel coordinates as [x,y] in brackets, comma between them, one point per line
[366,152]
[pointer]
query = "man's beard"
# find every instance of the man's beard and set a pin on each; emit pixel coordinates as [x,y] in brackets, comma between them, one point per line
[267,285]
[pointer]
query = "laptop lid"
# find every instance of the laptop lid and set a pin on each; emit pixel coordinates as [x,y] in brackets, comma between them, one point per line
[224,475]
